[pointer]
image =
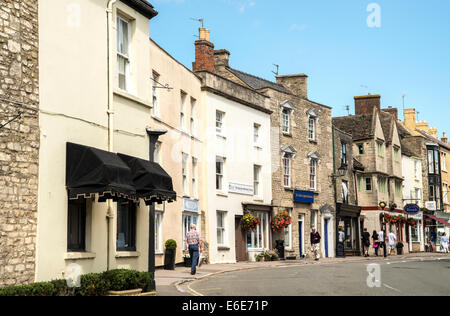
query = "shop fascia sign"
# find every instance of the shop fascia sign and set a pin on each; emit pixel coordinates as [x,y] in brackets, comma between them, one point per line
[190,205]
[303,196]
[412,209]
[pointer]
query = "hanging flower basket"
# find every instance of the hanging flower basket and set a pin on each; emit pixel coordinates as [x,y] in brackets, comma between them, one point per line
[412,222]
[250,222]
[281,221]
[393,219]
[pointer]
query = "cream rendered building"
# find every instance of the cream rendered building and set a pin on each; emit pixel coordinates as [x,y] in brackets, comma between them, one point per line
[92,102]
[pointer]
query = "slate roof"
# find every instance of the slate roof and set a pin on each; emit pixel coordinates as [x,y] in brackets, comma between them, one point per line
[257,83]
[434,139]
[402,130]
[408,149]
[357,165]
[387,124]
[359,126]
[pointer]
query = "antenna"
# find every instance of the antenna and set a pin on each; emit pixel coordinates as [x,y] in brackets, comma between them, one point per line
[202,21]
[347,108]
[278,69]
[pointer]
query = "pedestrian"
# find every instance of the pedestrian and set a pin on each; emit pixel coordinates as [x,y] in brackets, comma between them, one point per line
[433,240]
[382,240]
[391,239]
[315,243]
[444,242]
[193,246]
[376,242]
[366,242]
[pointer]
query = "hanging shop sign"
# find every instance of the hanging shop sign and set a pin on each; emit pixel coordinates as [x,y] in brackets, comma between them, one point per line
[412,209]
[303,196]
[431,205]
[190,205]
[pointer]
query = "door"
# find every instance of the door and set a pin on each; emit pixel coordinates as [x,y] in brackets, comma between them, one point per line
[240,241]
[300,237]
[189,219]
[327,221]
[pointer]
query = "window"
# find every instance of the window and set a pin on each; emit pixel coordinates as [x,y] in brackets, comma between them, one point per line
[221,227]
[182,111]
[433,161]
[380,149]
[382,185]
[158,232]
[398,188]
[312,174]
[287,170]
[157,153]
[344,191]
[123,52]
[219,173]
[343,154]
[444,193]
[444,161]
[417,195]
[194,178]
[288,233]
[360,149]
[219,121]
[415,234]
[155,94]
[368,184]
[313,219]
[311,128]
[184,173]
[259,239]
[285,118]
[396,154]
[126,226]
[256,128]
[76,232]
[193,102]
[256,175]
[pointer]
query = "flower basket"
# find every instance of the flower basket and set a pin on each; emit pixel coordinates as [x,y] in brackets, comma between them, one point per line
[250,222]
[281,221]
[412,222]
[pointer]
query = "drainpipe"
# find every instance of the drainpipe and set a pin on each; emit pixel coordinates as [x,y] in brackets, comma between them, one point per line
[110,111]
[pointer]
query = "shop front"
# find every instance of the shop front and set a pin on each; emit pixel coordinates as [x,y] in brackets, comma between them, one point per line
[435,227]
[259,239]
[348,221]
[416,232]
[190,216]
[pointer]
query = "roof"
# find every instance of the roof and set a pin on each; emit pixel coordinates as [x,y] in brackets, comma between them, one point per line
[408,149]
[256,82]
[403,131]
[357,165]
[143,7]
[434,139]
[387,124]
[359,126]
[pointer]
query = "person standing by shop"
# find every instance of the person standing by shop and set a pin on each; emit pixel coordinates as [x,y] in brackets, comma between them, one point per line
[366,242]
[315,243]
[392,239]
[444,242]
[382,241]
[376,242]
[193,246]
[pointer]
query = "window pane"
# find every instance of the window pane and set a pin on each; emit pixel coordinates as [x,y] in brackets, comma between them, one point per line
[76,225]
[126,226]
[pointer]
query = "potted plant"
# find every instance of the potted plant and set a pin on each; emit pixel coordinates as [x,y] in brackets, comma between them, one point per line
[170,253]
[399,247]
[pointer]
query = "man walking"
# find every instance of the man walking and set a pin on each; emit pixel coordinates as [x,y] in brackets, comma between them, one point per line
[382,239]
[193,245]
[315,243]
[366,242]
[392,239]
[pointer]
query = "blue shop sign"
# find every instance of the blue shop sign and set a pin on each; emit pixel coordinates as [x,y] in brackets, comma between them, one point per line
[412,209]
[303,197]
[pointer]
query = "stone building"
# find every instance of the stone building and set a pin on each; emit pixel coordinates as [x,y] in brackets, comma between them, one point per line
[377,146]
[19,140]
[302,161]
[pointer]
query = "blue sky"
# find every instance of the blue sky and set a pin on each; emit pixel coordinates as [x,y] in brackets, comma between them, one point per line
[331,42]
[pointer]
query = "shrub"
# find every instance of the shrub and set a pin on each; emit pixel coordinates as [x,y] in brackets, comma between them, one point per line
[35,289]
[171,244]
[93,284]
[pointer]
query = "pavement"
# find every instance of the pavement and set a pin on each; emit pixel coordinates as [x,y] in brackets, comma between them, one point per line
[176,282]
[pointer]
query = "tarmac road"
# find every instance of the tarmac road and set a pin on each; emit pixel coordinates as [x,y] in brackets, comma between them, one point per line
[415,276]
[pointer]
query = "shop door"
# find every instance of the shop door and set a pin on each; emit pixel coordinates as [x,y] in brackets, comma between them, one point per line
[189,219]
[300,237]
[240,241]
[327,221]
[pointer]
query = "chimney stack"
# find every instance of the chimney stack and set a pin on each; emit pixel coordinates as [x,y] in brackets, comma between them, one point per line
[444,138]
[221,58]
[204,52]
[393,111]
[410,118]
[366,103]
[297,84]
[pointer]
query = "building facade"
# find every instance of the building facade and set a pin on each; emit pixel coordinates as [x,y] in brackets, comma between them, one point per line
[19,140]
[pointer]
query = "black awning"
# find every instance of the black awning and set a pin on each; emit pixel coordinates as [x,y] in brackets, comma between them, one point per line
[90,170]
[151,181]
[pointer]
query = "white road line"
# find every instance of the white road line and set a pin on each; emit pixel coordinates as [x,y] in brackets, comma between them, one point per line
[390,287]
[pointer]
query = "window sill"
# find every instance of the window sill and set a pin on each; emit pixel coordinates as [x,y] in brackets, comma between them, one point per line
[312,141]
[288,189]
[223,248]
[159,253]
[258,199]
[127,254]
[219,193]
[287,134]
[257,147]
[221,136]
[79,255]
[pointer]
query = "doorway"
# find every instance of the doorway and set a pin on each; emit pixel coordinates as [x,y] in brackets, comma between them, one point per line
[300,235]
[240,241]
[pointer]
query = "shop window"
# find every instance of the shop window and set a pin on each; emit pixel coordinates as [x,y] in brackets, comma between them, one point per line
[76,235]
[126,226]
[259,239]
[313,220]
[288,233]
[188,219]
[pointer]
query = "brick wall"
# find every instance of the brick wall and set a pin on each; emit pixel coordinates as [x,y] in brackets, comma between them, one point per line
[204,56]
[365,104]
[19,140]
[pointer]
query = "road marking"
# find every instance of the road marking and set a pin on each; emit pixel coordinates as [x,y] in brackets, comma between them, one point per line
[194,291]
[390,287]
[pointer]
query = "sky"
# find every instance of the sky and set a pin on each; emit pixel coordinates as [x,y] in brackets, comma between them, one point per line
[346,47]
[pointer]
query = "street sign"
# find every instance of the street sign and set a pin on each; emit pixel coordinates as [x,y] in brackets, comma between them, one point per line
[412,209]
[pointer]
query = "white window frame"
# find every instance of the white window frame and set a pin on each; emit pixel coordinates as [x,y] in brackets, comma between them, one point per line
[255,243]
[396,154]
[219,121]
[311,128]
[221,229]
[365,184]
[286,120]
[287,170]
[288,233]
[155,94]
[158,233]
[313,163]
[380,149]
[443,161]
[313,223]
[192,121]
[257,189]
[185,173]
[122,55]
[183,97]
[445,192]
[194,177]
[256,130]
[220,175]
[382,185]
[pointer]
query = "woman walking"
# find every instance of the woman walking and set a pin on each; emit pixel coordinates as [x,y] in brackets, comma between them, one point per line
[444,242]
[376,242]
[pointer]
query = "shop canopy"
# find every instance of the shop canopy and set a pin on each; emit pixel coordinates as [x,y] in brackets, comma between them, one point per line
[151,181]
[92,171]
[442,221]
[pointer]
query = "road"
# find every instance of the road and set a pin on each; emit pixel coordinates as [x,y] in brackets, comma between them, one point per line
[419,276]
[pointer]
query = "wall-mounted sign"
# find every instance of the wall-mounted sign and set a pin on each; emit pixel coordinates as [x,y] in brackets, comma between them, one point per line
[412,209]
[160,207]
[240,188]
[303,196]
[418,216]
[190,205]
[431,205]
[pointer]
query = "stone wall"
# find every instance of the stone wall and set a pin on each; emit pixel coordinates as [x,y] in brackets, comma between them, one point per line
[19,140]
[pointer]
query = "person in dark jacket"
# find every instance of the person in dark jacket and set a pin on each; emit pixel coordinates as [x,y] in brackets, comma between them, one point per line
[366,242]
[315,243]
